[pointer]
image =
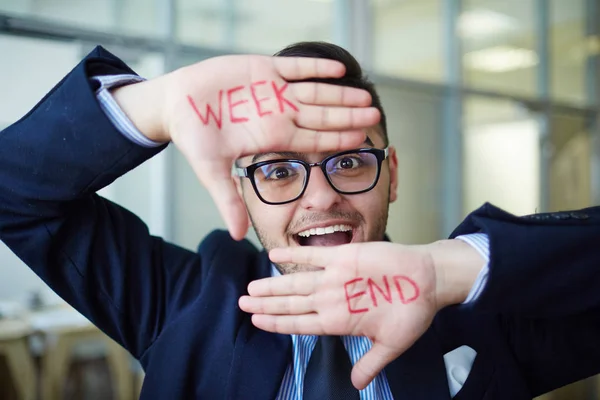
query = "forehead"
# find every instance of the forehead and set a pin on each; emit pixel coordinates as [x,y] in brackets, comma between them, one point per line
[374,139]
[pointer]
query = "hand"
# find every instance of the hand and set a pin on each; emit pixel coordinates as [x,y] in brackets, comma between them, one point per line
[219,110]
[387,292]
[383,291]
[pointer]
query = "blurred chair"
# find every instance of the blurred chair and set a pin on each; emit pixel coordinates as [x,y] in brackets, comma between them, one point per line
[584,389]
[14,347]
[65,335]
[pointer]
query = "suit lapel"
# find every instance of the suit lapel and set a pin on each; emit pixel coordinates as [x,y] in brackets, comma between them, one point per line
[260,358]
[420,373]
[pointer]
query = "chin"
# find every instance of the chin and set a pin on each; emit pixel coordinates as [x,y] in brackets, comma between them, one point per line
[294,268]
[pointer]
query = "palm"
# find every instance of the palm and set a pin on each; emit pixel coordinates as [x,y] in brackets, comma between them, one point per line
[382,291]
[247,107]
[232,138]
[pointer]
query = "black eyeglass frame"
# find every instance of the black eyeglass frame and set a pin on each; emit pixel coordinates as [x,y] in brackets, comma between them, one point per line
[248,172]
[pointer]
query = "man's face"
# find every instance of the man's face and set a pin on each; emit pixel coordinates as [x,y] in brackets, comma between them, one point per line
[323,217]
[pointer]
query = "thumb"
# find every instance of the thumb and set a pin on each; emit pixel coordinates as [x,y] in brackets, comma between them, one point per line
[371,364]
[230,206]
[220,184]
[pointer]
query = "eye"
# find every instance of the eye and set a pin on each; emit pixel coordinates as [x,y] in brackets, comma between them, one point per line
[348,162]
[279,172]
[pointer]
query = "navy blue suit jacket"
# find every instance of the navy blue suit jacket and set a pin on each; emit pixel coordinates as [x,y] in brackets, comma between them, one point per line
[536,327]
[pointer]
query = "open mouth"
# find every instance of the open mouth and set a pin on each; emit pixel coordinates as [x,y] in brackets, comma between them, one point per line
[333,235]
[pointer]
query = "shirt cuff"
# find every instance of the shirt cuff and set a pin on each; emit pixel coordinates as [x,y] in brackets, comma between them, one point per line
[115,114]
[481,243]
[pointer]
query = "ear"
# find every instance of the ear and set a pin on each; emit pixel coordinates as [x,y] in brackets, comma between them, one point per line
[393,163]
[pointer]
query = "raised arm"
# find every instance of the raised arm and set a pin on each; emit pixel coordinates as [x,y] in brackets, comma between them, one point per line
[544,284]
[550,263]
[98,256]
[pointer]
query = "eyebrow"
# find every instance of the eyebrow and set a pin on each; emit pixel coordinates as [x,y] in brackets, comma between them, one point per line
[282,154]
[292,154]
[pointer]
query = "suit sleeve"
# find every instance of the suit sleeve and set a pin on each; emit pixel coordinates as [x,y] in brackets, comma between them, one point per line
[96,255]
[544,284]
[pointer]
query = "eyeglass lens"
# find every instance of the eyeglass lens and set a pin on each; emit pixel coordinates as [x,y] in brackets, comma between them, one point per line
[284,181]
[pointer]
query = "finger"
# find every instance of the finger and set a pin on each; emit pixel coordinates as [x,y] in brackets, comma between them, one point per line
[322,94]
[327,118]
[307,324]
[371,364]
[316,256]
[301,283]
[296,68]
[280,305]
[306,141]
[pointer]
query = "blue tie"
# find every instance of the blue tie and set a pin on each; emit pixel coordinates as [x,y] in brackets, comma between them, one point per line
[327,375]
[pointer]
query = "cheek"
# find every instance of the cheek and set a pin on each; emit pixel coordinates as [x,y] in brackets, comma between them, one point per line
[268,219]
[371,204]
[380,193]
[384,186]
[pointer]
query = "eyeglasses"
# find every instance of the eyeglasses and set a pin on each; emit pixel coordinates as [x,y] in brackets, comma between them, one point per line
[284,180]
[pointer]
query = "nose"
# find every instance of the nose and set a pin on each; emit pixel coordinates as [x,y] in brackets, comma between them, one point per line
[319,195]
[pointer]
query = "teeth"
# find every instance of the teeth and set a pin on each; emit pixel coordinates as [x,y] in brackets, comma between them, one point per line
[325,230]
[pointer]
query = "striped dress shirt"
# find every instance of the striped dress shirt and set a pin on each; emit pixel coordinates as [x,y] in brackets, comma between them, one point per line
[302,345]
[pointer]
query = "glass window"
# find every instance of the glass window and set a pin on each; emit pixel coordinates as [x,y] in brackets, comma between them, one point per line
[185,59]
[135,17]
[501,156]
[137,190]
[262,26]
[23,79]
[498,45]
[193,210]
[205,22]
[23,84]
[193,213]
[414,127]
[408,39]
[570,162]
[569,50]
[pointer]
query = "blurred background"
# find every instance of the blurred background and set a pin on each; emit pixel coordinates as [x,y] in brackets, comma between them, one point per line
[487,100]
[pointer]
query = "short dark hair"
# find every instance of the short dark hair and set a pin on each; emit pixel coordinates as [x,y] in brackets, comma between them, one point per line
[354,76]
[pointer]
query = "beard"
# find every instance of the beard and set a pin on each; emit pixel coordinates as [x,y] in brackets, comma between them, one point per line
[269,241]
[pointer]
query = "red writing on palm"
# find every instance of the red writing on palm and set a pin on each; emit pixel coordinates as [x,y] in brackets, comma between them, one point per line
[405,290]
[240,95]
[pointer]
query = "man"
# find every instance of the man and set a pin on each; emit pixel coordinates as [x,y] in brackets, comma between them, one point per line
[177,311]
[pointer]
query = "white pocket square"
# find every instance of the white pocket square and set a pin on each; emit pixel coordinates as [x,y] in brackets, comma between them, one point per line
[458,366]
